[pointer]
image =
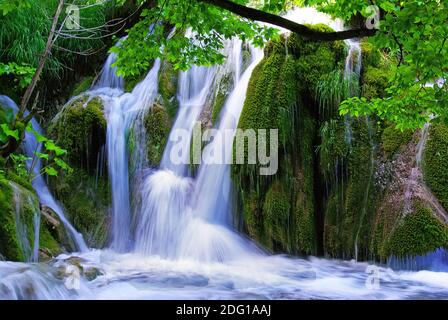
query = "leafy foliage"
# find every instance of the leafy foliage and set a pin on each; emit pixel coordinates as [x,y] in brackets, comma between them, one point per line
[415,32]
[208,26]
[25,29]
[23,73]
[412,31]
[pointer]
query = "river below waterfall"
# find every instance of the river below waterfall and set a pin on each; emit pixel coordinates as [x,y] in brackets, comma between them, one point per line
[132,276]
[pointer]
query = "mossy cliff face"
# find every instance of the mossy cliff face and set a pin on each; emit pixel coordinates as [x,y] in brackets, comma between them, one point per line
[350,205]
[80,128]
[435,162]
[345,188]
[280,211]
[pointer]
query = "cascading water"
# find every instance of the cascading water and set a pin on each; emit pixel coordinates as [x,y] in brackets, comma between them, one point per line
[352,74]
[170,222]
[194,89]
[39,185]
[123,110]
[108,77]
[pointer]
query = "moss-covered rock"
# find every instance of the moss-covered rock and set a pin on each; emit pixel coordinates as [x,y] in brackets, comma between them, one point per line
[86,200]
[351,203]
[435,158]
[18,209]
[418,233]
[371,56]
[157,124]
[10,246]
[280,211]
[221,94]
[276,215]
[375,82]
[392,139]
[316,58]
[80,128]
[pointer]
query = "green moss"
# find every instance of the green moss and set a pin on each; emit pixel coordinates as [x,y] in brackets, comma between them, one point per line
[305,198]
[315,58]
[419,233]
[370,55]
[157,124]
[350,209]
[168,88]
[333,148]
[47,242]
[12,175]
[435,157]
[393,139]
[82,86]
[17,222]
[271,96]
[280,211]
[276,214]
[9,244]
[375,82]
[86,200]
[81,129]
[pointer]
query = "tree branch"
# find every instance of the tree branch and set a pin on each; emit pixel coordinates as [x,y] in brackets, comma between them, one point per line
[43,58]
[304,31]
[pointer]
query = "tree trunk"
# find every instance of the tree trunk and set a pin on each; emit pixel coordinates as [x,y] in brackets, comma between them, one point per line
[29,91]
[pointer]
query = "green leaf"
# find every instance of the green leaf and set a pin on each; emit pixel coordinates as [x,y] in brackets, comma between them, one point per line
[51,171]
[42,155]
[8,132]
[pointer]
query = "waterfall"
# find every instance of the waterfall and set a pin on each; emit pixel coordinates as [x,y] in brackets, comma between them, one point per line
[352,74]
[421,144]
[125,112]
[214,184]
[353,61]
[108,77]
[40,186]
[195,87]
[172,222]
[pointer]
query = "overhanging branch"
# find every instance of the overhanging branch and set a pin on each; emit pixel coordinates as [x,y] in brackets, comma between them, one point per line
[304,31]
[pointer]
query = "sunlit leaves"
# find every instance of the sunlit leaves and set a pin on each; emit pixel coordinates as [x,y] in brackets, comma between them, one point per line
[8,6]
[161,33]
[23,73]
